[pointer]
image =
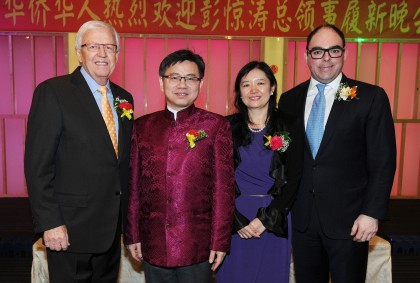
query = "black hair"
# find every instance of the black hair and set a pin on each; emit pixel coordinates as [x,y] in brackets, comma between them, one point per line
[181,56]
[333,27]
[243,110]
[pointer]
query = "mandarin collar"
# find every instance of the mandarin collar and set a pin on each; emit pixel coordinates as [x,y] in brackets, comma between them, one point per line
[181,115]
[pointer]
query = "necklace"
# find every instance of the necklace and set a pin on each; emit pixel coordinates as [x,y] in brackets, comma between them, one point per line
[256,130]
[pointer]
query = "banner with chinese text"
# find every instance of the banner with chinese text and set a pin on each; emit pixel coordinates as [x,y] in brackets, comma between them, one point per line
[279,18]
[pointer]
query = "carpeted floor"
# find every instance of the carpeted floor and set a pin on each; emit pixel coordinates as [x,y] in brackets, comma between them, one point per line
[16,239]
[16,258]
[15,264]
[15,269]
[406,268]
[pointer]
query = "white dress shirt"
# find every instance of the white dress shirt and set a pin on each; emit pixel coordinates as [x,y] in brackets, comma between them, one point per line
[329,92]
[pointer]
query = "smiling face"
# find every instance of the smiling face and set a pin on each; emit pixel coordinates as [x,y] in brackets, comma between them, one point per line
[326,69]
[181,94]
[256,90]
[100,64]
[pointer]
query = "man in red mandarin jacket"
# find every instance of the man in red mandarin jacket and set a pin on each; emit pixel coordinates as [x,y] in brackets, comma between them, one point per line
[182,181]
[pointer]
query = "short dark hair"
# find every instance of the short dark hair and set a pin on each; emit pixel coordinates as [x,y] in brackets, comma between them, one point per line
[181,56]
[273,82]
[333,27]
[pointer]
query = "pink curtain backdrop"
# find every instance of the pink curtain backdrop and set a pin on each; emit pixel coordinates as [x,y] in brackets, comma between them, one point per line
[28,59]
[393,66]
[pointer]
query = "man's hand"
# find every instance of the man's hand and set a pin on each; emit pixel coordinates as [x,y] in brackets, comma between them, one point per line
[216,259]
[364,228]
[57,239]
[135,250]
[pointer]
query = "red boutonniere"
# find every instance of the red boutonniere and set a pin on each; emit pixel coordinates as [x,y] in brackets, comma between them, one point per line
[123,108]
[194,136]
[346,93]
[280,141]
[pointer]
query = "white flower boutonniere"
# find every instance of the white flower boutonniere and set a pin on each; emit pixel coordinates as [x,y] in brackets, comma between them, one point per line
[346,93]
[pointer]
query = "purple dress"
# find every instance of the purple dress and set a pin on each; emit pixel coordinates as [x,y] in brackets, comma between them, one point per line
[255,260]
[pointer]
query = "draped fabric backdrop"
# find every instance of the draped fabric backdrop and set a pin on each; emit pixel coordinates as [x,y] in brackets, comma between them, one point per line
[383,48]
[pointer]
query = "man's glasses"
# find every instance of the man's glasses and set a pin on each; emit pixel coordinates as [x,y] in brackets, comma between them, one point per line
[318,53]
[94,47]
[175,79]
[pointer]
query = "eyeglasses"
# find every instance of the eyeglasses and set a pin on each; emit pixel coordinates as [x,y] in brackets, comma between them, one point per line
[318,53]
[189,80]
[94,47]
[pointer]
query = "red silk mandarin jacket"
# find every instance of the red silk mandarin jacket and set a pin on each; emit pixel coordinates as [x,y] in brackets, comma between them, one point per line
[181,199]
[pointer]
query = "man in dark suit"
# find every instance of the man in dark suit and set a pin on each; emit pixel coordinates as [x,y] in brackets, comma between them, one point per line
[77,161]
[349,164]
[182,181]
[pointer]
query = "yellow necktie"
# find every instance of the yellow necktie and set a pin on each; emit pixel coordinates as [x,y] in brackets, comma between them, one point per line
[108,118]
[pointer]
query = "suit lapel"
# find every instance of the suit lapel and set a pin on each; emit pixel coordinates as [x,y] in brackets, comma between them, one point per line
[337,111]
[121,125]
[91,109]
[302,93]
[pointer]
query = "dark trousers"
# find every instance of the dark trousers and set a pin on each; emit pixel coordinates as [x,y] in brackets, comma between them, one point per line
[200,272]
[68,267]
[316,256]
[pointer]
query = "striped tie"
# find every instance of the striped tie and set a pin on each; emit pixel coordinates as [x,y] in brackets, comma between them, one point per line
[108,118]
[315,126]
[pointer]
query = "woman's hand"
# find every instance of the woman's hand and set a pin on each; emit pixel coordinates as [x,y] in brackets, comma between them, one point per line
[253,230]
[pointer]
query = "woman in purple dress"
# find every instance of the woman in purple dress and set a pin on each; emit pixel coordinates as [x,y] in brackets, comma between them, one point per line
[268,154]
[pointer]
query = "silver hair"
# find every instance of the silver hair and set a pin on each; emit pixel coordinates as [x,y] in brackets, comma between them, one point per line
[91,25]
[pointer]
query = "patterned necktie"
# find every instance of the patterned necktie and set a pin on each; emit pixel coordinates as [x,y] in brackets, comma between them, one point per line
[108,118]
[315,126]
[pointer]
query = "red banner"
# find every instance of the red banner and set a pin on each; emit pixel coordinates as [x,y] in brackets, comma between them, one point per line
[279,18]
